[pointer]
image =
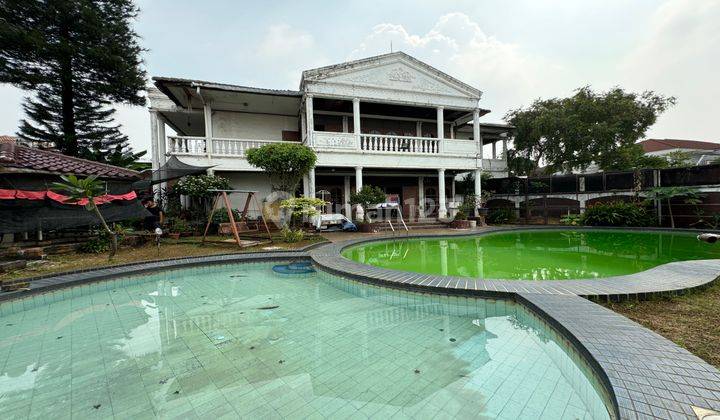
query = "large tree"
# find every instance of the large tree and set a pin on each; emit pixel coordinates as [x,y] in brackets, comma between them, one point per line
[571,133]
[78,57]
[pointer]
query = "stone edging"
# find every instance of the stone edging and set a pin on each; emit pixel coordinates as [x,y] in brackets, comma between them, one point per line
[670,278]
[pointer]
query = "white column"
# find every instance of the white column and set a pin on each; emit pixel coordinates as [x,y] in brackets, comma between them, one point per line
[306,186]
[207,115]
[494,151]
[359,212]
[303,129]
[440,128]
[345,124]
[309,119]
[421,197]
[504,147]
[452,131]
[356,122]
[442,208]
[162,147]
[418,129]
[311,183]
[346,194]
[476,134]
[478,188]
[154,147]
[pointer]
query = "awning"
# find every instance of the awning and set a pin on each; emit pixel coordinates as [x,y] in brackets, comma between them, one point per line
[172,169]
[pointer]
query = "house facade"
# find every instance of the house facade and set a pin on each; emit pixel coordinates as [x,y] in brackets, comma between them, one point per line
[390,121]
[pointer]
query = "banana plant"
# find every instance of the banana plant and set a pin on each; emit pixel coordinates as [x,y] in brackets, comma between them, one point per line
[88,188]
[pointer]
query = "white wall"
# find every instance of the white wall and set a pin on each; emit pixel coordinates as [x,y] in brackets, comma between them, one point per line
[253,181]
[243,125]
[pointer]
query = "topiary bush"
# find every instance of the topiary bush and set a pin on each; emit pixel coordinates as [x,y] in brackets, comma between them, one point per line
[284,163]
[198,186]
[618,213]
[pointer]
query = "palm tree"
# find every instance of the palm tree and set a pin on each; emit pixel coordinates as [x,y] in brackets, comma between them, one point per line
[88,188]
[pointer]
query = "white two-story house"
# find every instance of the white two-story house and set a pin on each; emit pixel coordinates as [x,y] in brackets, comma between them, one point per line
[390,121]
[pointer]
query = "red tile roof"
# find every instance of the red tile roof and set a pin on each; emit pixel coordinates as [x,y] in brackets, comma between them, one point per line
[656,145]
[17,158]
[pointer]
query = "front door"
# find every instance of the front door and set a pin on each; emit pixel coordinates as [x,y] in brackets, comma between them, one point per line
[410,202]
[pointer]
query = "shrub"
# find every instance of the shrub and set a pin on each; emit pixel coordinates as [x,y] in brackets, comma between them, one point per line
[301,207]
[292,235]
[221,216]
[285,163]
[102,241]
[179,225]
[570,219]
[366,197]
[197,186]
[501,216]
[617,214]
[461,215]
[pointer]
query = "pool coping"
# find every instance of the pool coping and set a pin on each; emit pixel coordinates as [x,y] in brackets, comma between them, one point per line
[645,375]
[670,278]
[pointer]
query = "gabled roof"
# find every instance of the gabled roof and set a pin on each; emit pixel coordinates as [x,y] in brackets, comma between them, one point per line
[656,145]
[17,158]
[321,72]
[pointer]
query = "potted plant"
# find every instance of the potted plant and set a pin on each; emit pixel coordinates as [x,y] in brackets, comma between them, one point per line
[460,221]
[367,197]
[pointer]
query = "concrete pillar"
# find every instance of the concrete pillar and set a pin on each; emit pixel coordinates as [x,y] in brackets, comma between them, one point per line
[162,147]
[154,148]
[346,194]
[504,147]
[207,115]
[440,127]
[309,118]
[452,131]
[421,197]
[311,183]
[442,208]
[345,127]
[356,122]
[418,129]
[306,186]
[582,203]
[359,212]
[494,150]
[476,134]
[478,188]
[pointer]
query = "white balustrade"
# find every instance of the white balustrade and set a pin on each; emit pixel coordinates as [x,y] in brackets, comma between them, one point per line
[400,144]
[183,145]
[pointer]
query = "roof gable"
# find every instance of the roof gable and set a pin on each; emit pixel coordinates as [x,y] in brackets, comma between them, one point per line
[391,72]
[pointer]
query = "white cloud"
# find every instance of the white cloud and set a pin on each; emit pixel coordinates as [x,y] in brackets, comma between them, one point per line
[509,76]
[680,55]
[287,51]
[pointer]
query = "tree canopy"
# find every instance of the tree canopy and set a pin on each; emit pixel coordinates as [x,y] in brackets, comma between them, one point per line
[77,57]
[571,133]
[285,163]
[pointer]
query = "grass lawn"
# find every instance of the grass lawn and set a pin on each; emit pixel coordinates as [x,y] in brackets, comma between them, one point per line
[691,320]
[189,247]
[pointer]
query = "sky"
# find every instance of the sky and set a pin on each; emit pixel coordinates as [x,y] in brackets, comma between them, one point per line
[513,51]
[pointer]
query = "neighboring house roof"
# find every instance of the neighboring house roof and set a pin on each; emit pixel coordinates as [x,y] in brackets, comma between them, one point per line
[17,158]
[656,145]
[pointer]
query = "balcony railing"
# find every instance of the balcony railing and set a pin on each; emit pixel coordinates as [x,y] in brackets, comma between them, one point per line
[183,145]
[401,144]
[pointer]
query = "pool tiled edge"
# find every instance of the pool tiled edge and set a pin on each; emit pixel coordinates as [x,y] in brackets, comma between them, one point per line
[646,375]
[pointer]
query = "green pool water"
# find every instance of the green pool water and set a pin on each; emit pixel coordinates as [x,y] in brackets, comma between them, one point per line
[239,341]
[536,254]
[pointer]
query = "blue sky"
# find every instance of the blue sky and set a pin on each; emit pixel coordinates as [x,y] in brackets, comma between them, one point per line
[513,51]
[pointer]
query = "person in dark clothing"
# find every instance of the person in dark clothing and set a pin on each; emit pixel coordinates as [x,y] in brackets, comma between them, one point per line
[155,218]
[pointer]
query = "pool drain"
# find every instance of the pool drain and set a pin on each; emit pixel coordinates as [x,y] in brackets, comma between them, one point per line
[303,267]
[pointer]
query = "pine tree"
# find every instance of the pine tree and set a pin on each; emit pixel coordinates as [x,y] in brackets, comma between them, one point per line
[77,57]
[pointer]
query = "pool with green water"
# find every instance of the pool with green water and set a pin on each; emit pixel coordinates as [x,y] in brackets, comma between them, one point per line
[536,254]
[240,341]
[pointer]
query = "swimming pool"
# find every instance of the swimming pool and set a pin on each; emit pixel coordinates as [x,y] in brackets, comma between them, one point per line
[538,254]
[240,340]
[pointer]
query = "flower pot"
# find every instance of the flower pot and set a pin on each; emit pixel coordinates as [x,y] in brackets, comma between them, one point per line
[460,224]
[483,211]
[366,227]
